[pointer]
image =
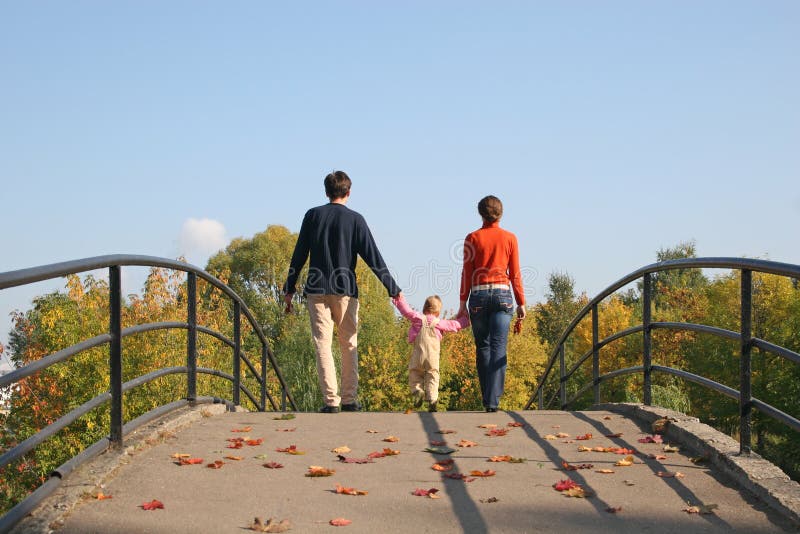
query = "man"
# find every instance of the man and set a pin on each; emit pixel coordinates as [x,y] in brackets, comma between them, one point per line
[333,235]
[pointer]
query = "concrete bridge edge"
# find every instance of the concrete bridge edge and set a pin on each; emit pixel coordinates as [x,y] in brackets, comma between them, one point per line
[758,476]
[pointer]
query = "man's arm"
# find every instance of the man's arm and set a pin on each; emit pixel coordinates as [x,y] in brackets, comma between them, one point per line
[369,252]
[299,256]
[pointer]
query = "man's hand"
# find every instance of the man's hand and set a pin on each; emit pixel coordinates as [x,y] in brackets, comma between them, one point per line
[287,300]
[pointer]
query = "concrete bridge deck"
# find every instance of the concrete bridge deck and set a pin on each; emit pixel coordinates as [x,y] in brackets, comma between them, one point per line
[519,498]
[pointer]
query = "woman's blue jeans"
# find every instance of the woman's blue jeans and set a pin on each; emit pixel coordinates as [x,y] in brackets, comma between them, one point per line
[490,312]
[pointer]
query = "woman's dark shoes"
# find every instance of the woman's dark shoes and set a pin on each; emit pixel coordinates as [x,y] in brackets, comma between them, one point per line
[490,409]
[351,407]
[329,409]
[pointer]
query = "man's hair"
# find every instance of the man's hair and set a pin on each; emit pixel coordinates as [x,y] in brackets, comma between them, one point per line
[490,208]
[337,185]
[433,305]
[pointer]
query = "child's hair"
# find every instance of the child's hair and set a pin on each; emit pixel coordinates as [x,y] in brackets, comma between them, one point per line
[433,305]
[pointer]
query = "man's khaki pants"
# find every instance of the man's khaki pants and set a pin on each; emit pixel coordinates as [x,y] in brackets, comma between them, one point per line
[325,312]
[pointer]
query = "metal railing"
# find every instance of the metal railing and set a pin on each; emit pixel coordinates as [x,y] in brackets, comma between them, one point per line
[743,395]
[114,339]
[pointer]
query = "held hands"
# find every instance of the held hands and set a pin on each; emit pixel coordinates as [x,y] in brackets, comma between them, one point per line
[287,300]
[462,310]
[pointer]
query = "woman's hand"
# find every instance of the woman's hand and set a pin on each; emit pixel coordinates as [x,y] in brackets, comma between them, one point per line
[462,310]
[521,312]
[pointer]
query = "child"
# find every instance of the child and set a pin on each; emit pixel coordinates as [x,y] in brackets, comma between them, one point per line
[425,334]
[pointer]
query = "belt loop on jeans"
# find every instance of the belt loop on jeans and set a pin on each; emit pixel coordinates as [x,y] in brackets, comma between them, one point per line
[482,287]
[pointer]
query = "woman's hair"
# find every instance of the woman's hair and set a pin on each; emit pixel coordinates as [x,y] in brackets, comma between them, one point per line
[490,208]
[433,305]
[337,185]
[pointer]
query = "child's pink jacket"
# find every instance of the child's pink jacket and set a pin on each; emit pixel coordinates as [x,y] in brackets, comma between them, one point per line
[444,325]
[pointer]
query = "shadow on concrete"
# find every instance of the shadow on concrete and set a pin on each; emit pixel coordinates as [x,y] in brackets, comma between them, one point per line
[686,495]
[464,507]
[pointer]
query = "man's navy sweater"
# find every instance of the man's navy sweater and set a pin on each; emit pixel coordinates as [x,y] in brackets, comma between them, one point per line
[333,235]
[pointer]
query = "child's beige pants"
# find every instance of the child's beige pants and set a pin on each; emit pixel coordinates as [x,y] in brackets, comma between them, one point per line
[423,369]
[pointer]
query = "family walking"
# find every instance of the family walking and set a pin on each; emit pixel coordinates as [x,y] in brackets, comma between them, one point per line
[331,238]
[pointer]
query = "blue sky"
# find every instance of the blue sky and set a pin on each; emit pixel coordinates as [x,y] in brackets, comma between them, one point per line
[609,129]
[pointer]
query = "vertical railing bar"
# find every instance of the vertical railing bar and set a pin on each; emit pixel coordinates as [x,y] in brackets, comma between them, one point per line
[595,355]
[237,347]
[264,378]
[745,391]
[563,379]
[540,406]
[115,353]
[191,339]
[646,339]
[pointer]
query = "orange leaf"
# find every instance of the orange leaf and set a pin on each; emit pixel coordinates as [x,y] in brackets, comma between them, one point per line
[152,505]
[349,491]
[670,474]
[466,443]
[432,493]
[516,424]
[291,449]
[562,435]
[189,461]
[504,458]
[235,458]
[657,457]
[584,437]
[488,425]
[245,429]
[625,462]
[390,452]
[495,432]
[391,439]
[487,473]
[605,471]
[216,465]
[102,496]
[318,471]
[254,442]
[180,455]
[444,465]
[340,522]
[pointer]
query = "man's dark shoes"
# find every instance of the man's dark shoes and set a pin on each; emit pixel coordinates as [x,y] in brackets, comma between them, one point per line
[329,409]
[432,406]
[352,407]
[418,397]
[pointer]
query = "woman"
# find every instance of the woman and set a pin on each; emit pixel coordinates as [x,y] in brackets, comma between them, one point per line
[491,270]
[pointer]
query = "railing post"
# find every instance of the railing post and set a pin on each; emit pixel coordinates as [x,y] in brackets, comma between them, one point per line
[115,353]
[540,406]
[237,348]
[745,392]
[595,355]
[646,341]
[191,339]
[562,387]
[264,377]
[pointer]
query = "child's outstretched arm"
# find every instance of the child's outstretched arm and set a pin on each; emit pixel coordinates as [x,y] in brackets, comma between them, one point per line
[402,306]
[453,325]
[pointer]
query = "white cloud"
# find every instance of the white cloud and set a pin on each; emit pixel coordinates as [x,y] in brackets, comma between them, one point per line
[200,238]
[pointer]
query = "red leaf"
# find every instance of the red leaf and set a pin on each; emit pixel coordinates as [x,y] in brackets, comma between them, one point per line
[574,467]
[190,461]
[584,437]
[340,522]
[496,432]
[349,491]
[419,492]
[487,473]
[617,435]
[153,505]
[622,450]
[516,424]
[237,445]
[245,429]
[436,443]
[216,465]
[376,455]
[254,442]
[564,485]
[651,439]
[273,465]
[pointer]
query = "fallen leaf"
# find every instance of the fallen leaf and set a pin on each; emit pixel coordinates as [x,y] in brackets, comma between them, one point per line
[443,465]
[651,439]
[216,464]
[440,450]
[466,443]
[273,465]
[574,467]
[490,500]
[341,450]
[657,457]
[234,458]
[621,450]
[487,473]
[245,429]
[699,460]
[670,474]
[391,439]
[355,460]
[372,432]
[272,525]
[550,437]
[190,461]
[578,492]
[460,476]
[286,429]
[625,462]
[260,457]
[614,510]
[516,424]
[102,496]
[617,435]
[496,432]
[659,425]
[582,448]
[349,491]
[584,437]
[291,449]
[340,522]
[152,505]
[437,443]
[285,417]
[607,418]
[254,442]
[488,425]
[390,452]
[562,435]
[517,460]
[445,431]
[236,444]
[670,448]
[563,485]
[180,455]
[701,509]
[504,458]
[604,471]
[319,471]
[432,493]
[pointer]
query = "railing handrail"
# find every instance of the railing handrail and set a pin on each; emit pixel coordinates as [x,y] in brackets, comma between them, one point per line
[764,266]
[745,337]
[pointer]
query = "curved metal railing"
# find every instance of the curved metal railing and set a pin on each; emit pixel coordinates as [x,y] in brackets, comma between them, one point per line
[113,338]
[743,395]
